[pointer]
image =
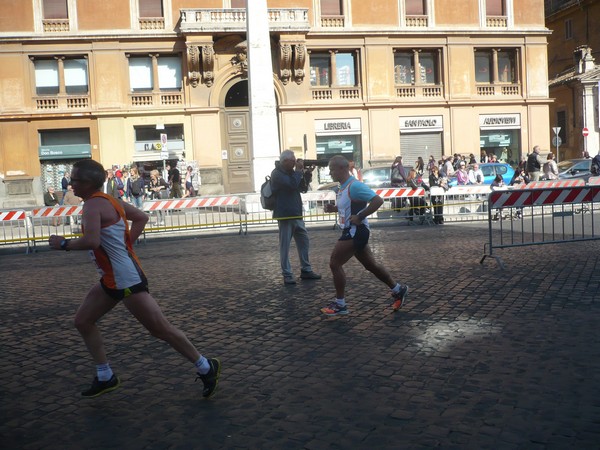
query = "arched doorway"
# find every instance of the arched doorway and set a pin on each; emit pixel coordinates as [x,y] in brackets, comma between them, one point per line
[236,137]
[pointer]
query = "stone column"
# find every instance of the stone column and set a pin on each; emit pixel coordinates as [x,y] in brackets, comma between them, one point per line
[264,131]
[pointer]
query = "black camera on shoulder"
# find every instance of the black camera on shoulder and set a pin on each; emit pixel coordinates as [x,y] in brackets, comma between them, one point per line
[315,162]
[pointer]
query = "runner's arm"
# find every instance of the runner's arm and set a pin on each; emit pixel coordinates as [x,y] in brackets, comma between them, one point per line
[138,220]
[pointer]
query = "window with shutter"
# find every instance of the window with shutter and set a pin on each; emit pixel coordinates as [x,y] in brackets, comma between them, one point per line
[331,8]
[238,3]
[55,9]
[495,8]
[151,8]
[415,7]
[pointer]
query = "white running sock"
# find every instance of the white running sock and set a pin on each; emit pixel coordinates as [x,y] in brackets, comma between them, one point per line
[104,372]
[202,365]
[396,288]
[341,301]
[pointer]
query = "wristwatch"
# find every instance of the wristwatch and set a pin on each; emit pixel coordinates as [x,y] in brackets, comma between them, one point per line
[64,243]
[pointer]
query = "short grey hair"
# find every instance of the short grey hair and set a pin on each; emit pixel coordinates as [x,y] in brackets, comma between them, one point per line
[286,154]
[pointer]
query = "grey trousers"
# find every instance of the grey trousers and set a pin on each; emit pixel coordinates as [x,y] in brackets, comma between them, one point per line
[295,228]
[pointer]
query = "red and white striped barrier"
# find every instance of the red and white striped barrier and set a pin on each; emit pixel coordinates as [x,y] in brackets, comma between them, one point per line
[400,192]
[56,211]
[7,216]
[552,184]
[194,202]
[539,197]
[594,181]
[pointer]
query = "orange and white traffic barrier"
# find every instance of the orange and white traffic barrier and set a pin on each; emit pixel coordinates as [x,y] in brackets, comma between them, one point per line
[552,184]
[402,192]
[56,211]
[9,216]
[194,202]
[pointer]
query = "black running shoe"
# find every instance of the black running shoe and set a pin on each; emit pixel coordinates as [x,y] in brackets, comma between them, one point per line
[399,299]
[102,387]
[210,378]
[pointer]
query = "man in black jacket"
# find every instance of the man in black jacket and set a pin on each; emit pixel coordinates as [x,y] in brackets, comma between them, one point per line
[534,164]
[288,179]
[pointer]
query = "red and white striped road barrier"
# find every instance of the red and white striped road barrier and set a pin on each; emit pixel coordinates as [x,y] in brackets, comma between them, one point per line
[540,197]
[551,184]
[7,216]
[194,202]
[56,211]
[594,181]
[400,192]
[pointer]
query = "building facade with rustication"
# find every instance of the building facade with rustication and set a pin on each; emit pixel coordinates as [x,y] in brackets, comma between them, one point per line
[115,80]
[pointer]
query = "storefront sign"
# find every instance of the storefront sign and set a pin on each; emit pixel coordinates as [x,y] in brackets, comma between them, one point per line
[420,124]
[337,127]
[65,151]
[500,121]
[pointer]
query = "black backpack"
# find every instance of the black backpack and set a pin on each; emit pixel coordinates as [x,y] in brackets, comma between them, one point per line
[267,198]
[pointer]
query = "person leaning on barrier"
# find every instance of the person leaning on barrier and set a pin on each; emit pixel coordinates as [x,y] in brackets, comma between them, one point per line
[475,175]
[418,204]
[354,202]
[436,183]
[288,180]
[108,236]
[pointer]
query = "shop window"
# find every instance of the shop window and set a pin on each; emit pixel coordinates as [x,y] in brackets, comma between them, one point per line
[61,75]
[416,67]
[333,69]
[147,138]
[496,66]
[143,68]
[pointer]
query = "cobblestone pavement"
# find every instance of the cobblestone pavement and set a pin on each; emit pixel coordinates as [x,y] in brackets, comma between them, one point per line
[478,358]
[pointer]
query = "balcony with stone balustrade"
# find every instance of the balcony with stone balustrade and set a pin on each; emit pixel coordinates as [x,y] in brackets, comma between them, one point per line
[234,20]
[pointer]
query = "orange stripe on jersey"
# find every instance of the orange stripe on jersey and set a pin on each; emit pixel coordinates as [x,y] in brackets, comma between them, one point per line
[111,275]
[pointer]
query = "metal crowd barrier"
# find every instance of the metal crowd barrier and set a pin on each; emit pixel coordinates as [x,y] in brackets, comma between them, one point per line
[15,228]
[220,211]
[238,212]
[524,217]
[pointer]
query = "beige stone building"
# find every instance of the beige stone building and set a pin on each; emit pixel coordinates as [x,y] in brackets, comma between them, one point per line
[368,79]
[574,71]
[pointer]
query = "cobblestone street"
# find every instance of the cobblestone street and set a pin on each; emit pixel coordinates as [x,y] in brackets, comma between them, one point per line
[478,358]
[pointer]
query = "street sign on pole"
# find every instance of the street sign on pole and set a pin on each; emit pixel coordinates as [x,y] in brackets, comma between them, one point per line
[585,132]
[556,141]
[556,130]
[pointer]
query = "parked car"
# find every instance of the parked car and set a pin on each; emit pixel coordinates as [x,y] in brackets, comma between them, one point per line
[376,177]
[490,170]
[570,169]
[380,176]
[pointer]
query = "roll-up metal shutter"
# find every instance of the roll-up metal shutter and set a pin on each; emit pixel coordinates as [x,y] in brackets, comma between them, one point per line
[413,145]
